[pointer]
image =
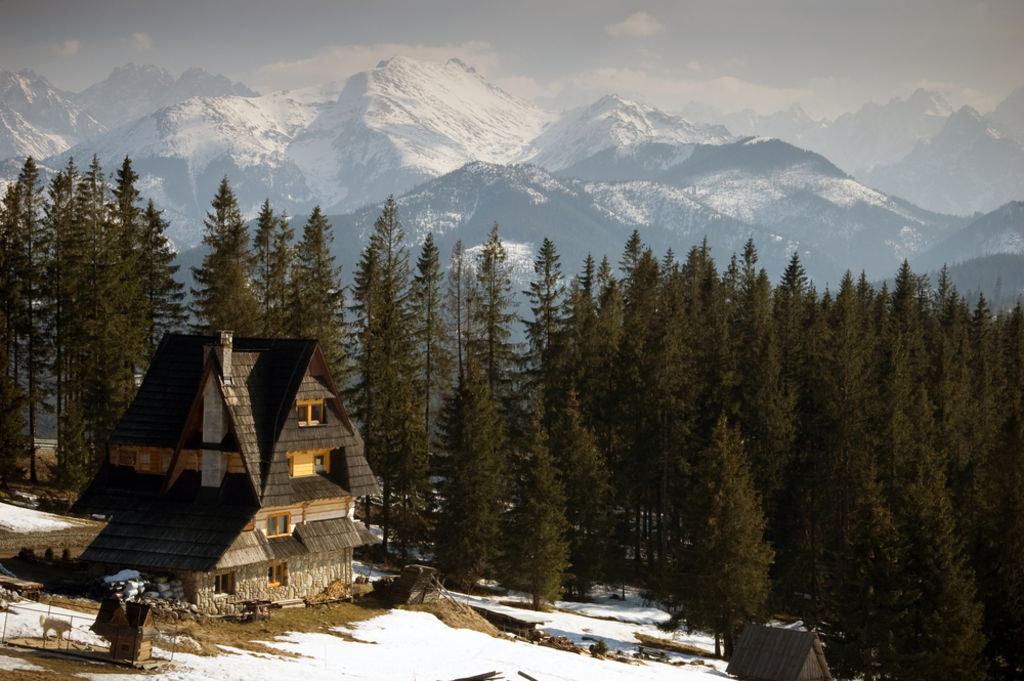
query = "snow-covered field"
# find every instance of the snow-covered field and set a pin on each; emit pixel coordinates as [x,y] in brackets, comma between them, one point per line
[399,645]
[415,646]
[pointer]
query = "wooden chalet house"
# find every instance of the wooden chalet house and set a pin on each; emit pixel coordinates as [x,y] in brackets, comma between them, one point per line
[236,470]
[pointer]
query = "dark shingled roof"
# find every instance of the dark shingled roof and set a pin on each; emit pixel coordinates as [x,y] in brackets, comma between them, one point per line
[158,412]
[267,376]
[775,654]
[334,534]
[169,536]
[318,536]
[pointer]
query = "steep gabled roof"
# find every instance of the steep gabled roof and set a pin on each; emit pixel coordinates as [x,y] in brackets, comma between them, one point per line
[776,654]
[267,376]
[157,415]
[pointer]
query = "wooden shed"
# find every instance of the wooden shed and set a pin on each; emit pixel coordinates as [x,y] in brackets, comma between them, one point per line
[776,654]
[129,628]
[416,584]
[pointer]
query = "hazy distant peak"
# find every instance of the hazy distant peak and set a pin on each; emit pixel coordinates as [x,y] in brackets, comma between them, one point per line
[967,121]
[196,81]
[455,61]
[929,103]
[133,90]
[1010,114]
[135,72]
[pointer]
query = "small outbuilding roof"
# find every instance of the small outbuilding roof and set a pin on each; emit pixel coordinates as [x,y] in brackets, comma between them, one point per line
[777,654]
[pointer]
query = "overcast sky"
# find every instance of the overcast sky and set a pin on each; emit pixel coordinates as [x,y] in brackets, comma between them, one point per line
[828,55]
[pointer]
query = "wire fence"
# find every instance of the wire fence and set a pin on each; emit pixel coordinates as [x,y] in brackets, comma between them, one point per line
[37,625]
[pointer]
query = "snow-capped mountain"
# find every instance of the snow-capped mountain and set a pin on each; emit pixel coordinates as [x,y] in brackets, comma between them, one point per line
[970,165]
[785,198]
[599,170]
[182,151]
[407,121]
[133,91]
[803,196]
[390,128]
[615,123]
[37,119]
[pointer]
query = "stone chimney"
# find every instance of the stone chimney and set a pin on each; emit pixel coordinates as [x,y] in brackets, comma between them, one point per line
[223,351]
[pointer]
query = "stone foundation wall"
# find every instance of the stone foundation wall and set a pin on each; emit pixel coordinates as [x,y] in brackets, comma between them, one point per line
[308,575]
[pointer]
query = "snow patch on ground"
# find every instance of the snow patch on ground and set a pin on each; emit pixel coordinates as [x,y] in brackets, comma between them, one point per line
[18,519]
[11,664]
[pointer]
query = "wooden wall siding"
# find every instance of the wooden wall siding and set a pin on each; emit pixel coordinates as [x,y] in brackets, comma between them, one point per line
[302,463]
[147,460]
[319,509]
[313,388]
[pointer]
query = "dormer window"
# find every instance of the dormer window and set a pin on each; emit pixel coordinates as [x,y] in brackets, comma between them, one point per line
[310,412]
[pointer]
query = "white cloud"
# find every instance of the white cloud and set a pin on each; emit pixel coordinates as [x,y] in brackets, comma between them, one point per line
[142,41]
[69,48]
[637,25]
[337,63]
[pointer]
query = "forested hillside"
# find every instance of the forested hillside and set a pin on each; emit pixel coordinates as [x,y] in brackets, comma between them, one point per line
[852,457]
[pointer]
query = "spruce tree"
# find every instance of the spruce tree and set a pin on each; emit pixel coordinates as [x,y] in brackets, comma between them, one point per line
[275,255]
[74,465]
[434,359]
[545,295]
[31,351]
[316,308]
[10,264]
[130,300]
[387,388]
[13,442]
[724,574]
[472,489]
[765,405]
[492,346]
[461,300]
[536,547]
[588,496]
[164,294]
[65,277]
[102,385]
[1000,550]
[938,629]
[223,298]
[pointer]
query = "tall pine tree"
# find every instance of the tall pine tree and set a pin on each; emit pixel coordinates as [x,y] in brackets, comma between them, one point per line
[223,297]
[536,548]
[316,307]
[386,394]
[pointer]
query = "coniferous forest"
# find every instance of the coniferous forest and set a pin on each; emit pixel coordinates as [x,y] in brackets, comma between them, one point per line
[739,448]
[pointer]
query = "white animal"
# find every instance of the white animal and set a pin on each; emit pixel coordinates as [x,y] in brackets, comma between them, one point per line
[59,626]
